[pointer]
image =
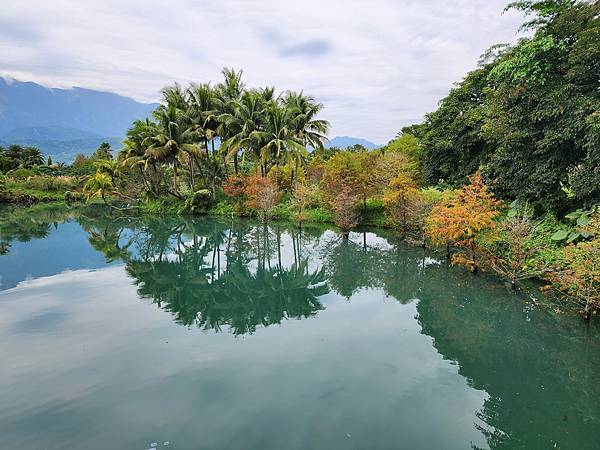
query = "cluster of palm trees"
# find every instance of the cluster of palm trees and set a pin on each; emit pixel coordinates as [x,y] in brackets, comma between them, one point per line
[202,134]
[15,156]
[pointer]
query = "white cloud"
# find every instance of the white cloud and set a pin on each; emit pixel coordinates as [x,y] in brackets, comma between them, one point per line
[375,65]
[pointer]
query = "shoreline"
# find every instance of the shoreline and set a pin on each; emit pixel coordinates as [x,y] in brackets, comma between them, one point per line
[532,285]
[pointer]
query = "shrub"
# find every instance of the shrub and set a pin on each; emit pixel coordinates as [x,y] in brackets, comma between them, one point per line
[223,209]
[50,183]
[282,211]
[4,194]
[165,206]
[74,197]
[319,215]
[22,173]
[198,202]
[577,272]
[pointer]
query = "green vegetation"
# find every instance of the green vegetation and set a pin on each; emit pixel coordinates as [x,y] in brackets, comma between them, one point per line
[505,174]
[528,115]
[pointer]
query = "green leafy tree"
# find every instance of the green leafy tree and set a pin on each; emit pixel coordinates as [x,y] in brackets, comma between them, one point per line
[103,151]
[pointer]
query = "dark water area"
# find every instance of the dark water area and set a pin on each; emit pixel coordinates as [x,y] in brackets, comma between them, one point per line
[136,333]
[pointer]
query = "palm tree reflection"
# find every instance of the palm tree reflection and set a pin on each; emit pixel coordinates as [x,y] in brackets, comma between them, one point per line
[214,277]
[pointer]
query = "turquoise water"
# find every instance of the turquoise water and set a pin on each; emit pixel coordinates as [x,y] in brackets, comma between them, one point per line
[125,333]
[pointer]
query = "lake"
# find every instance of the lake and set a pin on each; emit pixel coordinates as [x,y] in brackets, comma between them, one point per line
[180,333]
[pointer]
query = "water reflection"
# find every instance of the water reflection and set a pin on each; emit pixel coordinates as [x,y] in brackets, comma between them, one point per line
[539,370]
[243,275]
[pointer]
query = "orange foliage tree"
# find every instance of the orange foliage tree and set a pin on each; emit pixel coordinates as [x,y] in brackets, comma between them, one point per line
[235,187]
[263,195]
[461,219]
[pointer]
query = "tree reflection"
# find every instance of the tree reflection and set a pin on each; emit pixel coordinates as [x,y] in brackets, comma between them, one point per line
[213,276]
[537,368]
[24,225]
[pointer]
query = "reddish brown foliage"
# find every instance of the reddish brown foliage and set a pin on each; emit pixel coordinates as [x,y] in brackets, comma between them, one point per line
[262,193]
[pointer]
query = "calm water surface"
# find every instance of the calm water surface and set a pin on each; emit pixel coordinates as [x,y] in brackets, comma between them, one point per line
[122,333]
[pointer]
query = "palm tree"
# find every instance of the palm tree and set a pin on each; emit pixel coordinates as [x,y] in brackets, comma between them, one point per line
[138,140]
[311,131]
[32,156]
[278,137]
[172,140]
[229,94]
[203,102]
[176,96]
[247,117]
[98,185]
[114,169]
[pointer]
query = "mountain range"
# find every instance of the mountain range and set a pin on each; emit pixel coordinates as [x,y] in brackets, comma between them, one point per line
[348,141]
[65,122]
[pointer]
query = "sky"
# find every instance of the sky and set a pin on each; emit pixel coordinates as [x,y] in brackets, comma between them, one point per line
[376,65]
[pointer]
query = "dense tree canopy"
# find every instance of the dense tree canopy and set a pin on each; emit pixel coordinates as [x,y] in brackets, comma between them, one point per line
[529,115]
[197,132]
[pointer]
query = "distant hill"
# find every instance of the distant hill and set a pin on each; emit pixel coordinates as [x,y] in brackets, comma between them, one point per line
[63,144]
[64,122]
[347,141]
[49,134]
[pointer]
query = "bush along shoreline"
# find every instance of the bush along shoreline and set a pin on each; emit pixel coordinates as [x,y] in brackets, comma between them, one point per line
[504,175]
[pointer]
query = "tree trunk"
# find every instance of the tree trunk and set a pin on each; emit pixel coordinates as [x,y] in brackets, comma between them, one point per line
[144,182]
[587,312]
[192,175]
[199,168]
[175,177]
[206,148]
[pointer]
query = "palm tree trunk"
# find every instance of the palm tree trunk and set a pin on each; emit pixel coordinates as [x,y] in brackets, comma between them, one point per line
[199,168]
[174,177]
[143,178]
[155,184]
[191,175]
[206,148]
